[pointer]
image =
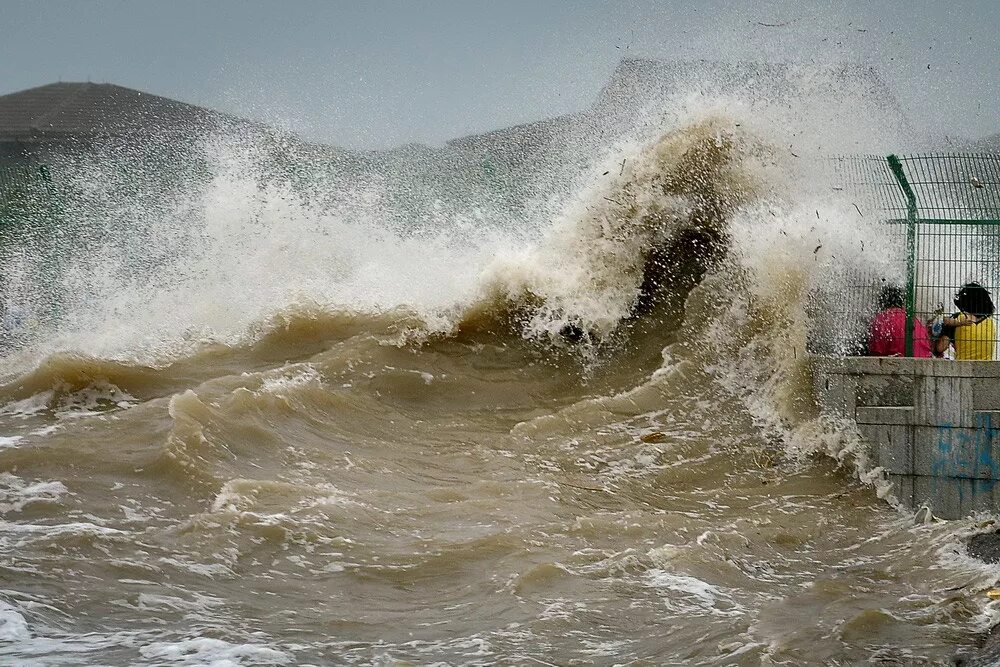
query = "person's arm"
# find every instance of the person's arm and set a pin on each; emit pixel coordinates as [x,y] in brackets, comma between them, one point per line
[961,320]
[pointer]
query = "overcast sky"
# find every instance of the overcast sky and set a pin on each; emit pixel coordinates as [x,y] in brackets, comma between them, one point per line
[376,74]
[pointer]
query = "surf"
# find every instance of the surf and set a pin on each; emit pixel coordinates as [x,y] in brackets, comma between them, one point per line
[451,412]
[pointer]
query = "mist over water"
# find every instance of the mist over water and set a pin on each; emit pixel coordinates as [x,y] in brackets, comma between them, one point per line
[539,395]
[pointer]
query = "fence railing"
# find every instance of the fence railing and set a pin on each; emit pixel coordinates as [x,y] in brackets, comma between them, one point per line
[953,241]
[941,215]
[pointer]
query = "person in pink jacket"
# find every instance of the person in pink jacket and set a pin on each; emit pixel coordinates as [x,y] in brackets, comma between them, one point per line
[887,333]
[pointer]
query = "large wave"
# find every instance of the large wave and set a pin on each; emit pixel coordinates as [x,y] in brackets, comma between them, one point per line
[565,365]
[165,255]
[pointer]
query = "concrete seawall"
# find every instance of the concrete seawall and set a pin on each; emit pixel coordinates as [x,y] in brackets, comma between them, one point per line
[933,425]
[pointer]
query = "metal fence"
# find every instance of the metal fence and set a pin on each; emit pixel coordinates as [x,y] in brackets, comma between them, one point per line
[941,221]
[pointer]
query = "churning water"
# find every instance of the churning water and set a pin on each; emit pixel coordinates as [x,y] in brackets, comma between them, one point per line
[554,409]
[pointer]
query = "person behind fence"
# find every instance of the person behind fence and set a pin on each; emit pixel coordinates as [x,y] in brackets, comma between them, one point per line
[887,333]
[971,330]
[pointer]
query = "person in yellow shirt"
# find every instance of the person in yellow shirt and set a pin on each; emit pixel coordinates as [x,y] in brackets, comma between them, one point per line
[977,341]
[972,329]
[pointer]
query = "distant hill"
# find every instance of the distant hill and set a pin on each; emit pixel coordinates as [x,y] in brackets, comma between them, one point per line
[640,89]
[68,115]
[76,111]
[637,80]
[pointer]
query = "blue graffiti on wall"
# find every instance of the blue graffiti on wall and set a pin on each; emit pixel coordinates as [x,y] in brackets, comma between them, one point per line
[967,453]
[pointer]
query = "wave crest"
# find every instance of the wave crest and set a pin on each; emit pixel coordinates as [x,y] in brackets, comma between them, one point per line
[660,222]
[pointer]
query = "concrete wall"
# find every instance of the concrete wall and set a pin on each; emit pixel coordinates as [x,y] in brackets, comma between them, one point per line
[934,425]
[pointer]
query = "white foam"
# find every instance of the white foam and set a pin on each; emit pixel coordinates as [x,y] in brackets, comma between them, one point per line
[239,245]
[10,441]
[210,570]
[29,406]
[704,596]
[208,652]
[151,602]
[13,626]
[53,531]
[94,400]
[705,592]
[16,494]
[287,380]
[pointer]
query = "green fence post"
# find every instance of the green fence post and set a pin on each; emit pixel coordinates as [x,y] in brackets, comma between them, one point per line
[911,248]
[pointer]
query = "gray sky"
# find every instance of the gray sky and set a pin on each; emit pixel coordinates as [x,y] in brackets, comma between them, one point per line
[376,74]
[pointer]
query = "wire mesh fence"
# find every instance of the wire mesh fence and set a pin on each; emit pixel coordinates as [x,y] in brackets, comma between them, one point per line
[957,250]
[932,293]
[845,302]
[953,187]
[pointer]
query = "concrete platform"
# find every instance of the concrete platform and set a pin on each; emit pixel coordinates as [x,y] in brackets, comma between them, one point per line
[934,425]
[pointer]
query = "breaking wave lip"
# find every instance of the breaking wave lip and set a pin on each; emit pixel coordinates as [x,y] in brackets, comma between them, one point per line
[250,495]
[627,238]
[67,373]
[13,625]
